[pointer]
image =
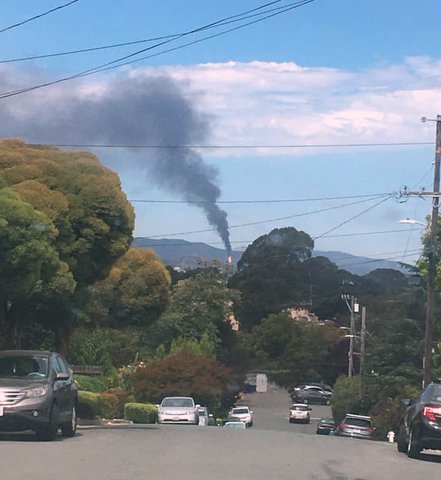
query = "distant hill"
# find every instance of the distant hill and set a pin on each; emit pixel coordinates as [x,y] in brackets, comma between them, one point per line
[184,254]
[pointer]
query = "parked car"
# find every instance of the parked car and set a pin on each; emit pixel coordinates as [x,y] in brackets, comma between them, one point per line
[325,426]
[315,388]
[178,410]
[37,392]
[311,396]
[421,426]
[355,426]
[244,413]
[299,412]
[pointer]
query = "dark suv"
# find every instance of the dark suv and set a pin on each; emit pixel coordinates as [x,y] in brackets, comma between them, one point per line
[37,392]
[421,427]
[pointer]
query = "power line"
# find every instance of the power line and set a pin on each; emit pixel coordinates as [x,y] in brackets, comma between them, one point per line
[378,260]
[294,200]
[19,24]
[269,220]
[190,244]
[354,217]
[241,147]
[111,65]
[133,42]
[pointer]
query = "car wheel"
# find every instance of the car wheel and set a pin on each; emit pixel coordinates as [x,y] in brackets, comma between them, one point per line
[49,432]
[69,429]
[291,420]
[401,440]
[414,446]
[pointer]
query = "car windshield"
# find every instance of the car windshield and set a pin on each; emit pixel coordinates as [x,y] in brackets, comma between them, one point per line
[25,366]
[240,411]
[178,402]
[358,422]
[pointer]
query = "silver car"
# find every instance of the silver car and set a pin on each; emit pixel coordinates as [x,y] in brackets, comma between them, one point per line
[178,410]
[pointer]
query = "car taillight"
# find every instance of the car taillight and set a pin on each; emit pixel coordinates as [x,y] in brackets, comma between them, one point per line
[370,430]
[431,413]
[343,425]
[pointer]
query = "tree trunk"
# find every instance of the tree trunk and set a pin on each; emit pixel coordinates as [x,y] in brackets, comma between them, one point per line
[6,340]
[62,335]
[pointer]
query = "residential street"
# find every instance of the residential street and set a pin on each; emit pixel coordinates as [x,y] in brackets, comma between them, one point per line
[272,449]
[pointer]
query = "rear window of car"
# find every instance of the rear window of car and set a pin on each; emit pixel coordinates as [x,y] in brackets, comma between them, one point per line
[178,402]
[300,408]
[436,394]
[240,411]
[358,422]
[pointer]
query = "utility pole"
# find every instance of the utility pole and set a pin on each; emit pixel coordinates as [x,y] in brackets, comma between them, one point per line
[431,254]
[362,346]
[431,258]
[351,307]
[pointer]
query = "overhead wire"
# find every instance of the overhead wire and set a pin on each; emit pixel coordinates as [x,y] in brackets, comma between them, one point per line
[116,63]
[261,222]
[157,243]
[293,200]
[133,42]
[241,147]
[40,15]
[353,217]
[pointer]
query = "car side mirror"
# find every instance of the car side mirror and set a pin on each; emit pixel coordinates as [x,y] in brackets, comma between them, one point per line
[62,376]
[405,402]
[251,411]
[198,406]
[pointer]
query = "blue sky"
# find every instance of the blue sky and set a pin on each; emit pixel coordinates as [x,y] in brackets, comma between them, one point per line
[330,72]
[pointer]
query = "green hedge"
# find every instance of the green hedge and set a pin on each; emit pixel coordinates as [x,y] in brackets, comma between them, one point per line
[141,412]
[89,384]
[89,405]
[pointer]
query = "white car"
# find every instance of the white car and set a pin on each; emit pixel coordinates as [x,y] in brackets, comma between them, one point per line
[299,412]
[244,413]
[178,410]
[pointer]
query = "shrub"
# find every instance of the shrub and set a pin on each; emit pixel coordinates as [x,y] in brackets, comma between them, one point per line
[110,405]
[89,384]
[141,412]
[89,405]
[184,374]
[345,398]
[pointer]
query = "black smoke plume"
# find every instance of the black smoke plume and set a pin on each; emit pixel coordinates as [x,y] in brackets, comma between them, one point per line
[134,111]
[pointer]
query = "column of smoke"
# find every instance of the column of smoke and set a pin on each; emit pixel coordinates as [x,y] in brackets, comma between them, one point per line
[136,111]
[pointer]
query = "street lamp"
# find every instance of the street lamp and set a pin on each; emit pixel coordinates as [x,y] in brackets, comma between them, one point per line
[413,222]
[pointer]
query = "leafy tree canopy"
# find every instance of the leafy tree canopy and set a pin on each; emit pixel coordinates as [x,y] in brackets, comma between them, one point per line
[135,293]
[93,219]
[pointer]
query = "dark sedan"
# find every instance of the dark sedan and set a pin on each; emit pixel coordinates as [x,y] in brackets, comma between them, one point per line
[311,397]
[325,426]
[421,427]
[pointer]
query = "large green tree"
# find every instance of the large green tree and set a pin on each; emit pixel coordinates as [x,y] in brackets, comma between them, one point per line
[200,306]
[29,261]
[91,218]
[135,293]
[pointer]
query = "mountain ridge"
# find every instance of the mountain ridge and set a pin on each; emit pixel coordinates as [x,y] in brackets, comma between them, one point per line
[185,254]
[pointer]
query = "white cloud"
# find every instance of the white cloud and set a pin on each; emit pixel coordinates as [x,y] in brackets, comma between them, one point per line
[279,103]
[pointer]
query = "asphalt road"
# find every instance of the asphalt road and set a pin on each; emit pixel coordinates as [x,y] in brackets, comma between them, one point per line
[272,449]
